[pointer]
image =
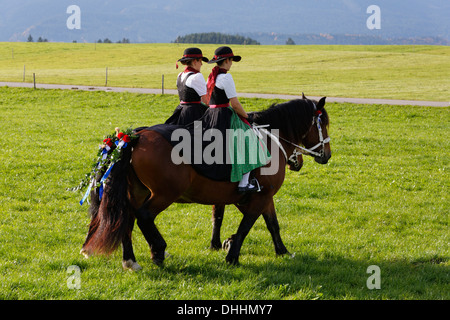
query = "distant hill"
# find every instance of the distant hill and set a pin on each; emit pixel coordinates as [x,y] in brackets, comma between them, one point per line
[165,20]
[215,38]
[349,39]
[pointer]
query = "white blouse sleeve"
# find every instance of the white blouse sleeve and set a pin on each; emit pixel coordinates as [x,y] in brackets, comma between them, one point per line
[197,82]
[226,82]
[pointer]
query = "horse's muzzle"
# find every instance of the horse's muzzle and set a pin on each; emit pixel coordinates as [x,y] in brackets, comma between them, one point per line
[324,158]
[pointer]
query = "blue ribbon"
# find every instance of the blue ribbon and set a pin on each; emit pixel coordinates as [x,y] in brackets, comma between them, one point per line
[105,176]
[86,194]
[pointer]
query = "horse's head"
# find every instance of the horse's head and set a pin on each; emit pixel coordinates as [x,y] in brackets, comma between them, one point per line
[316,140]
[300,122]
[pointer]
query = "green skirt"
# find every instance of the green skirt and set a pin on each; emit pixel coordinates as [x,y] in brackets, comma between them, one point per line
[247,152]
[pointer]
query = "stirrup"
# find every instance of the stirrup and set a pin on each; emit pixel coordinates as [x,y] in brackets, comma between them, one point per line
[254,182]
[252,186]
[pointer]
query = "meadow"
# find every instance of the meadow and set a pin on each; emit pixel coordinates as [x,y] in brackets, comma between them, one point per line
[392,72]
[381,200]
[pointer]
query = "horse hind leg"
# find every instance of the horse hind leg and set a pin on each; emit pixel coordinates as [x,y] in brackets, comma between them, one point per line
[146,222]
[128,258]
[226,245]
[154,239]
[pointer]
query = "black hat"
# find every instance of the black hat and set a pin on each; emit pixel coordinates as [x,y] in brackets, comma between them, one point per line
[223,53]
[191,54]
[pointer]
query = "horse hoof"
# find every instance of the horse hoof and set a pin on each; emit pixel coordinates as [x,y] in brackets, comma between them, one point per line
[232,261]
[131,265]
[159,259]
[215,245]
[158,262]
[227,244]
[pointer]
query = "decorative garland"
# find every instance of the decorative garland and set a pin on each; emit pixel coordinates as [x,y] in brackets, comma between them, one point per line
[109,153]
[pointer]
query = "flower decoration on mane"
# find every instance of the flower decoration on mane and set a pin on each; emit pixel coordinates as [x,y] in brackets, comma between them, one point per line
[109,153]
[107,143]
[126,138]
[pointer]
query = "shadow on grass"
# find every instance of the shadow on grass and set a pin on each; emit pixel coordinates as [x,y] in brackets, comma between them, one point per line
[309,277]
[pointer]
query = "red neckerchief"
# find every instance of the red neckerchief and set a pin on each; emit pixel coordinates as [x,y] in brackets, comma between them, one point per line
[190,69]
[212,80]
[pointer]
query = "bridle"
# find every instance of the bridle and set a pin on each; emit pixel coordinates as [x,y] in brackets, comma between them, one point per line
[299,150]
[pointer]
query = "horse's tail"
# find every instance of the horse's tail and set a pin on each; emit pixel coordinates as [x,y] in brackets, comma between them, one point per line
[111,217]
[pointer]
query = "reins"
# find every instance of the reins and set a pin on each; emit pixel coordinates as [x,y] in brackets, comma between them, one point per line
[298,150]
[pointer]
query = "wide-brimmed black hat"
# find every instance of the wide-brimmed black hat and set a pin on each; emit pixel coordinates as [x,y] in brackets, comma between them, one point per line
[223,53]
[191,54]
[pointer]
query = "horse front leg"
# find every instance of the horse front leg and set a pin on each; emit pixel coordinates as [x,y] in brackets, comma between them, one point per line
[217,218]
[237,239]
[270,217]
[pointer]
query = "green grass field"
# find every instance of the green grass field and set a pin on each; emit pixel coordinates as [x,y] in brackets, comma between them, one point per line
[393,72]
[381,200]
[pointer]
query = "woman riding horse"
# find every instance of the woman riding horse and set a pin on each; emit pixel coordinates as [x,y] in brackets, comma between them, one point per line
[191,89]
[226,112]
[145,182]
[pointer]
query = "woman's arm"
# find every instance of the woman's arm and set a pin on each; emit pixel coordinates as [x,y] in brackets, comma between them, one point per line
[237,107]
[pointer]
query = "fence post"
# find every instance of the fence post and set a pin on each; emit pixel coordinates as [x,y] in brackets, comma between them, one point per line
[162,85]
[23,73]
[34,80]
[106,81]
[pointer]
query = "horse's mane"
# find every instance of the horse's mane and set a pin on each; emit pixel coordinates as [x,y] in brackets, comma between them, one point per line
[292,118]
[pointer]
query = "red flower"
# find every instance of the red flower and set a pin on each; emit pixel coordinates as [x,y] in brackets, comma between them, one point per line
[120,135]
[108,142]
[126,138]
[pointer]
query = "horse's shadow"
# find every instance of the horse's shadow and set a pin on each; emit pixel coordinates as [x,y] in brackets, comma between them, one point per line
[332,277]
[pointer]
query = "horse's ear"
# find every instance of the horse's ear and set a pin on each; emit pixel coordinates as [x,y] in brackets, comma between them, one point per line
[303,96]
[321,103]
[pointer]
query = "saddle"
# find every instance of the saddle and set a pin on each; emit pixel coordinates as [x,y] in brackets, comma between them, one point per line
[214,170]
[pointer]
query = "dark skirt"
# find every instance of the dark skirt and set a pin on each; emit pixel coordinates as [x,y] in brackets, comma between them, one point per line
[187,113]
[219,119]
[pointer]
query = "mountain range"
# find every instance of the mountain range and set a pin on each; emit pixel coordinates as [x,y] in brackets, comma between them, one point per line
[266,21]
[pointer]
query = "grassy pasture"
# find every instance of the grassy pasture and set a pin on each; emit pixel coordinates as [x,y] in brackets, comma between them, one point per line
[394,72]
[381,200]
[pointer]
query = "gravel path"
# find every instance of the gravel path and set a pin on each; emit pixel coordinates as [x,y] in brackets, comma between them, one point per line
[246,95]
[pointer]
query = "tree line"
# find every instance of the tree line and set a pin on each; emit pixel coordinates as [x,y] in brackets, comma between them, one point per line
[40,39]
[215,38]
[106,40]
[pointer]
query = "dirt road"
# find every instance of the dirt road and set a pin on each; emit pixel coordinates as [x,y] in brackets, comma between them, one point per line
[246,95]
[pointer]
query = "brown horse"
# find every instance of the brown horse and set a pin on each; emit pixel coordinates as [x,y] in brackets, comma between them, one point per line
[145,182]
